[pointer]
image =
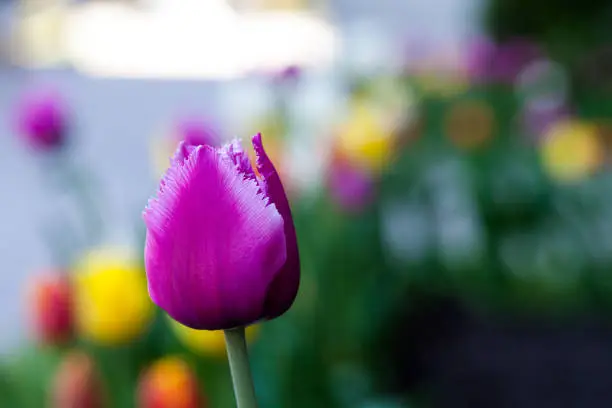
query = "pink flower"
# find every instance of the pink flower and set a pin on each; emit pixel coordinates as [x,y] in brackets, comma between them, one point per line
[221,249]
[197,132]
[41,119]
[289,74]
[502,63]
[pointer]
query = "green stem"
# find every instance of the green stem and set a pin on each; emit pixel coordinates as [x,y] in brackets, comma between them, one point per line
[238,357]
[81,189]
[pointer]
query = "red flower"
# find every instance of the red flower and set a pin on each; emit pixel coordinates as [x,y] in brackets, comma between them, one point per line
[51,306]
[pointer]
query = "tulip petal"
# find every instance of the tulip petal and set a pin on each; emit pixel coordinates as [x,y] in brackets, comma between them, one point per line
[182,153]
[214,243]
[239,157]
[284,288]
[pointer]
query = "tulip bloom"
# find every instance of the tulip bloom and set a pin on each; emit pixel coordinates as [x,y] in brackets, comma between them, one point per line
[206,342]
[77,383]
[196,132]
[193,131]
[221,250]
[112,304]
[169,383]
[42,120]
[52,309]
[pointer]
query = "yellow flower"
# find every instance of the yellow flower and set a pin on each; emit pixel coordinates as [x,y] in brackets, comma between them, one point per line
[364,139]
[205,342]
[112,301]
[572,150]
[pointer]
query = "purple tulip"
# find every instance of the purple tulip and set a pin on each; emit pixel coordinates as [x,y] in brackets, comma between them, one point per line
[501,63]
[291,72]
[221,249]
[478,58]
[41,119]
[197,132]
[288,75]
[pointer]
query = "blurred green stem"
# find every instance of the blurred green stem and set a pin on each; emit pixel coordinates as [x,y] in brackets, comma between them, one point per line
[238,357]
[75,179]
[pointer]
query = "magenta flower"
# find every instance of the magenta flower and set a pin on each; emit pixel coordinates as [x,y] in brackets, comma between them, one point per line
[221,249]
[290,73]
[197,132]
[478,58]
[41,119]
[502,63]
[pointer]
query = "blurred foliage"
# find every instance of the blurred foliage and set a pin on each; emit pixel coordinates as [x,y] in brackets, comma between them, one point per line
[508,18]
[575,33]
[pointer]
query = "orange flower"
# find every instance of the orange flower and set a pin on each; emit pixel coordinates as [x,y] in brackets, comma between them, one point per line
[169,383]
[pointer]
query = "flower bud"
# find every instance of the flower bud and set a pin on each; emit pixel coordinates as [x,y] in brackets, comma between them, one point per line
[42,120]
[221,249]
[192,131]
[76,383]
[196,132]
[112,303]
[169,383]
[51,309]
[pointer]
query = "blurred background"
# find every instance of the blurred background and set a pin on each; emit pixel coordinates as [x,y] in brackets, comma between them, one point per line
[448,165]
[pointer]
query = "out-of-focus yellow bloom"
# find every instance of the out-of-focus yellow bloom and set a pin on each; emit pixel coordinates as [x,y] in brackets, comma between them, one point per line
[205,342]
[470,124]
[572,150]
[365,139]
[169,383]
[112,301]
